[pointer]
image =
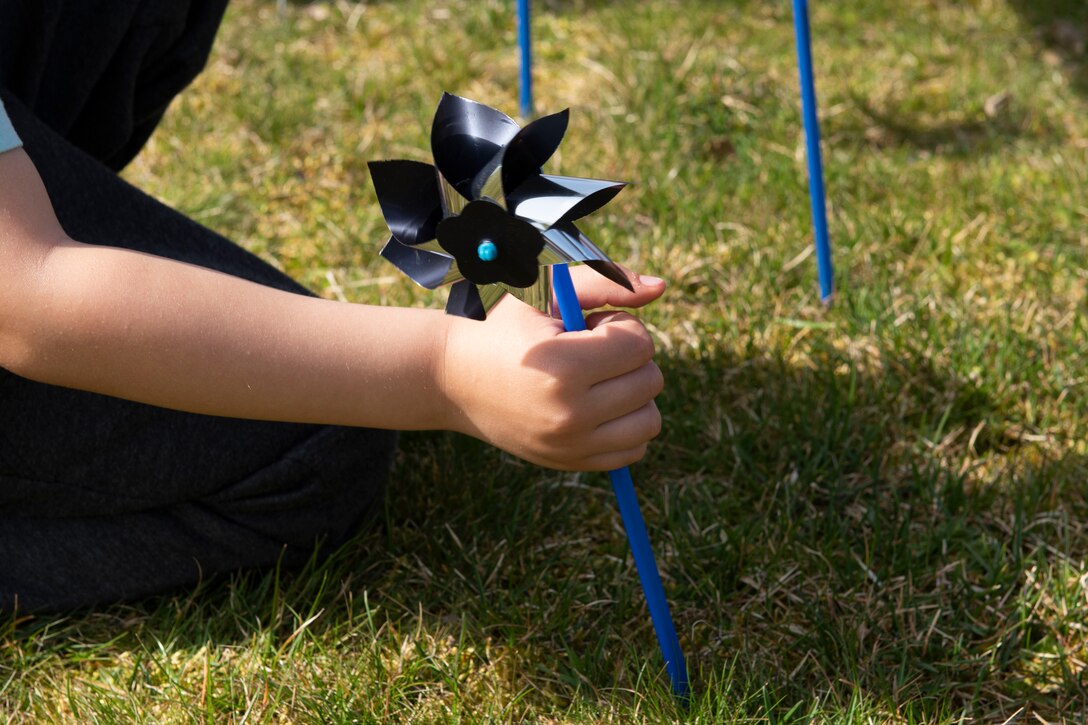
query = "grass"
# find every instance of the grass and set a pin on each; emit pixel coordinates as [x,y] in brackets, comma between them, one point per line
[869,513]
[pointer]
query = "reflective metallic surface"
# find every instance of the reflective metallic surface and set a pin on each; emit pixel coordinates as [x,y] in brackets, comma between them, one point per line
[547,201]
[491,187]
[571,245]
[577,247]
[452,201]
[539,295]
[491,294]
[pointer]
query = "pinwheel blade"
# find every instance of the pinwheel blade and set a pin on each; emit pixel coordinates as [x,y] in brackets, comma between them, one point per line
[464,301]
[427,269]
[465,136]
[531,148]
[468,300]
[547,201]
[611,270]
[570,245]
[408,195]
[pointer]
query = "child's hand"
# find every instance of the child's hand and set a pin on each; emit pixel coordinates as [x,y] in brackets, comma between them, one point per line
[570,401]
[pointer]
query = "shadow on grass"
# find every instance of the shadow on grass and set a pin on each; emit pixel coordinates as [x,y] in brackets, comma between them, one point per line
[1062,28]
[983,132]
[883,532]
[822,533]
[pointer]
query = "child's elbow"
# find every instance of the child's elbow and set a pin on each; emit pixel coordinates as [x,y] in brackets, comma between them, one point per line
[29,232]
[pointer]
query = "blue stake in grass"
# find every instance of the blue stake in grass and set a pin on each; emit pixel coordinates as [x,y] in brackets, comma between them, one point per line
[812,144]
[525,44]
[624,488]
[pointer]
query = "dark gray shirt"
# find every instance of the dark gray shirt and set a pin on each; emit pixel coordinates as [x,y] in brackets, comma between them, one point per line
[102,72]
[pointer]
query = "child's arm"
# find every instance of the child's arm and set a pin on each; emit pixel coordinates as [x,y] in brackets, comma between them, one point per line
[159,331]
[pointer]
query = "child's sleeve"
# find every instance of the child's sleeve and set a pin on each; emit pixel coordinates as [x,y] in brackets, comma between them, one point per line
[8,138]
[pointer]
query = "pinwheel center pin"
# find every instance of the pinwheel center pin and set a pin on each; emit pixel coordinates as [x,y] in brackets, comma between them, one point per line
[487,251]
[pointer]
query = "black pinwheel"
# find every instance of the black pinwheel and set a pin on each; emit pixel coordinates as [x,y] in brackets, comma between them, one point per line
[485,218]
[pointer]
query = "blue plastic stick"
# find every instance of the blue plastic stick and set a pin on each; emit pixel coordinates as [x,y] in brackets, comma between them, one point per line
[526,59]
[812,143]
[624,487]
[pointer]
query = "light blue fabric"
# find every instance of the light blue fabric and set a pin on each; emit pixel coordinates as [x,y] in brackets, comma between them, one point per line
[8,138]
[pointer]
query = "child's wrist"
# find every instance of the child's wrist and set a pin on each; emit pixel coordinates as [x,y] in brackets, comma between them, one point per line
[449,414]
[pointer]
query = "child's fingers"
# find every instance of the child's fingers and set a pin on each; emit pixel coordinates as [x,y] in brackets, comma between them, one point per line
[595,290]
[628,431]
[620,396]
[612,461]
[615,343]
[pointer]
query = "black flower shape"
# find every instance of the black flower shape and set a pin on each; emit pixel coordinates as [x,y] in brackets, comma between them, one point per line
[485,218]
[490,246]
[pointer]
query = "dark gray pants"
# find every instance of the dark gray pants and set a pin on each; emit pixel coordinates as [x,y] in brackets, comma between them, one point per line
[103,499]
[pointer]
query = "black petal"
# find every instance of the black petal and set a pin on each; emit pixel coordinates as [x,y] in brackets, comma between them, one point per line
[517,242]
[465,136]
[427,269]
[465,301]
[408,195]
[568,243]
[531,148]
[611,270]
[552,201]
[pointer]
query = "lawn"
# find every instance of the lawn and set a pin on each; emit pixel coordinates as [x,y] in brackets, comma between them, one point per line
[869,512]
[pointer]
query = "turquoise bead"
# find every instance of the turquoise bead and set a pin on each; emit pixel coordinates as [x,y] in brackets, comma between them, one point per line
[487,251]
